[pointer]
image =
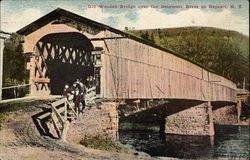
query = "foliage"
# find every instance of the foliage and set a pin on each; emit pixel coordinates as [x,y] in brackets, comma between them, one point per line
[14,72]
[224,52]
[103,143]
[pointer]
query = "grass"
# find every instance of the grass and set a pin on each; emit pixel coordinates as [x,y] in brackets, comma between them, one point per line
[11,107]
[103,143]
[8,108]
[2,119]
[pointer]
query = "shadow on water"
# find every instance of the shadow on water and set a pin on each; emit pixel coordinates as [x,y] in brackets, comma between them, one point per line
[232,141]
[229,141]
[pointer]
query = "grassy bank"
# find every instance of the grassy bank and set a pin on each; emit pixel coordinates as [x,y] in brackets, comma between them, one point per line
[19,106]
[103,143]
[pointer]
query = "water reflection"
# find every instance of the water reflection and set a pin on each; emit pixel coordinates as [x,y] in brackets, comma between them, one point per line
[229,141]
[182,146]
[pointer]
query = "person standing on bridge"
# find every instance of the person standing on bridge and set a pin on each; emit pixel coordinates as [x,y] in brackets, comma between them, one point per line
[77,99]
[66,91]
[82,92]
[73,88]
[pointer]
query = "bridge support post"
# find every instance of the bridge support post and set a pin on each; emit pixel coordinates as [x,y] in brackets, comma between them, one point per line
[210,119]
[31,68]
[196,120]
[101,121]
[238,106]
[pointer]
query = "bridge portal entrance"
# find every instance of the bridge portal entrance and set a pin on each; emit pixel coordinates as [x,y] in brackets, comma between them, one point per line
[60,58]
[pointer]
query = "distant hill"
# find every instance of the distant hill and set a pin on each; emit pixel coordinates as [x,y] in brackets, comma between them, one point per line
[222,51]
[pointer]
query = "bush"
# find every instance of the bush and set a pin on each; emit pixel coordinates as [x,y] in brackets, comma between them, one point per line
[103,143]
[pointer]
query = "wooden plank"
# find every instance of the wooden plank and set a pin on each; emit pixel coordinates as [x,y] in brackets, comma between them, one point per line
[59,102]
[56,124]
[32,75]
[39,69]
[55,111]
[65,111]
[41,80]
[45,115]
[65,130]
[71,107]
[91,89]
[61,110]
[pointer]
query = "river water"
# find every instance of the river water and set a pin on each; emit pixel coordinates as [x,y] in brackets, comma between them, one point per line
[228,142]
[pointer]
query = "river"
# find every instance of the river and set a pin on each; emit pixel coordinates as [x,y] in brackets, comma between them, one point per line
[228,142]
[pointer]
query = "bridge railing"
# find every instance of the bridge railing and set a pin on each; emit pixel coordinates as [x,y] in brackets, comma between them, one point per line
[59,113]
[12,92]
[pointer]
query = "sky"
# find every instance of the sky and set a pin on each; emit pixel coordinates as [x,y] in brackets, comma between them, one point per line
[16,14]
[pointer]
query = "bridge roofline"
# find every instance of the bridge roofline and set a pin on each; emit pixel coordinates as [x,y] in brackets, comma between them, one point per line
[61,12]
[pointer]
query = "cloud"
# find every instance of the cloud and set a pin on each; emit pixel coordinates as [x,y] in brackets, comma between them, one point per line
[151,18]
[145,18]
[14,22]
[97,14]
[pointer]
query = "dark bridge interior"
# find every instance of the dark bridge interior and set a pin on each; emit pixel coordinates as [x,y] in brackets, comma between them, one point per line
[156,111]
[67,57]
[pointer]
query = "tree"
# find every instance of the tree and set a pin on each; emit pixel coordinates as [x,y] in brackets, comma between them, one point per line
[14,71]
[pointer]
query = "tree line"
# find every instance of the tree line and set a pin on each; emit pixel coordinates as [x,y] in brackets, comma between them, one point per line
[224,52]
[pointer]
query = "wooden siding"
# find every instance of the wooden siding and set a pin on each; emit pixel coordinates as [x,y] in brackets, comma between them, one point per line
[138,71]
[131,68]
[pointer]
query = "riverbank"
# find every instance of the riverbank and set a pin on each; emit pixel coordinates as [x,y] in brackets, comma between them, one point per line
[20,136]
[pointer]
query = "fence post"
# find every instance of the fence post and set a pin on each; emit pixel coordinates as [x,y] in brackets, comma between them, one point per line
[1,66]
[238,106]
[65,111]
[65,130]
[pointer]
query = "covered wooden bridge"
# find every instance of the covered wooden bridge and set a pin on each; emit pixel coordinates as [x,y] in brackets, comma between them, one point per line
[64,46]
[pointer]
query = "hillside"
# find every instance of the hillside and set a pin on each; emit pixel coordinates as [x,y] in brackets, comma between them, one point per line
[222,51]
